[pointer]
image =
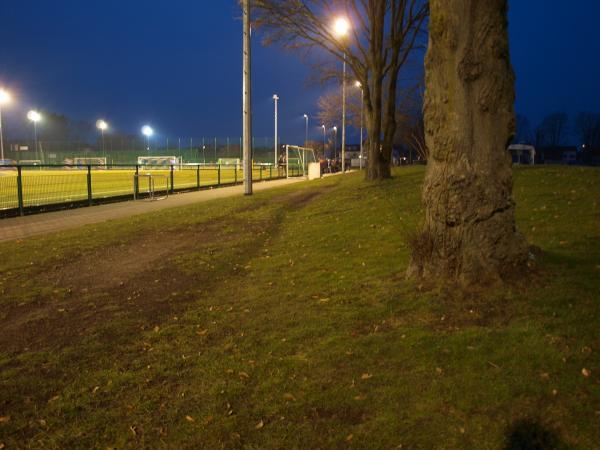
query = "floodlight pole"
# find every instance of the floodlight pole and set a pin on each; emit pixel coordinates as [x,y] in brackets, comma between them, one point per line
[362,105]
[1,137]
[324,139]
[276,99]
[344,116]
[306,131]
[247,96]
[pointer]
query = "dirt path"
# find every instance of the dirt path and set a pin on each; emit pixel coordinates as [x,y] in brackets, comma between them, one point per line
[34,225]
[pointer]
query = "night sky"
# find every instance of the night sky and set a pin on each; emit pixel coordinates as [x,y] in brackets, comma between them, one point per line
[177,64]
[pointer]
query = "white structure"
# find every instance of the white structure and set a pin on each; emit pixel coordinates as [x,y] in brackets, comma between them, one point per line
[519,149]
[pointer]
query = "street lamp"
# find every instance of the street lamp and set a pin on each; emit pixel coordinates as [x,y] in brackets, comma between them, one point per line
[306,131]
[341,28]
[147,131]
[324,139]
[102,125]
[4,99]
[335,143]
[362,104]
[275,99]
[35,117]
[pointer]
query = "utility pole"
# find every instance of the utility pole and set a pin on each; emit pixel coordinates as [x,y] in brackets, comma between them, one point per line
[247,95]
[276,99]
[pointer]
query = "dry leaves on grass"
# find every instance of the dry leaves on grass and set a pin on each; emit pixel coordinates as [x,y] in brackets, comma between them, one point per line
[259,425]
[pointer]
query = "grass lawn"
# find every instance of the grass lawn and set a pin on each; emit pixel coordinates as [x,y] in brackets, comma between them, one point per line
[45,187]
[285,321]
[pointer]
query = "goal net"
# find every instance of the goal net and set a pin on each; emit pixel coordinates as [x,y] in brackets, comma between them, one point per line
[158,162]
[297,160]
[96,161]
[235,162]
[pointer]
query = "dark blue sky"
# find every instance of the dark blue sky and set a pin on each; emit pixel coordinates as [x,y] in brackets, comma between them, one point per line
[177,64]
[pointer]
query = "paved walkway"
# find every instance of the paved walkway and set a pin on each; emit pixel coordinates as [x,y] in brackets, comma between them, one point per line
[23,227]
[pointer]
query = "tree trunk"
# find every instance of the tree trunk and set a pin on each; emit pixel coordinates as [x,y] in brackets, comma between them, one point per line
[469,234]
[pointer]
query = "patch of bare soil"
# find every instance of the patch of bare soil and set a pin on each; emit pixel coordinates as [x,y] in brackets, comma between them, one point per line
[135,282]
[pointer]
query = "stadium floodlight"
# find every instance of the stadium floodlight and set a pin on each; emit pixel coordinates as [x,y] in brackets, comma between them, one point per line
[341,28]
[35,117]
[335,143]
[102,126]
[147,131]
[275,99]
[324,138]
[4,99]
[306,131]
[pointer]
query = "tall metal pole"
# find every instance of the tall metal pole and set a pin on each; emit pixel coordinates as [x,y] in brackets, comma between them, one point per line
[362,104]
[276,99]
[306,131]
[35,141]
[1,137]
[247,95]
[103,148]
[344,116]
[324,139]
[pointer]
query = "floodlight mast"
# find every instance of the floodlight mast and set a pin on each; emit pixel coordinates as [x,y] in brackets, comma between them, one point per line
[306,131]
[34,117]
[247,100]
[276,100]
[4,98]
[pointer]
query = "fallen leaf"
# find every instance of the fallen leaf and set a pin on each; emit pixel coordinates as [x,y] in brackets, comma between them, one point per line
[244,375]
[439,370]
[366,376]
[349,437]
[4,419]
[360,397]
[259,425]
[190,419]
[585,372]
[95,389]
[132,429]
[288,396]
[202,332]
[156,329]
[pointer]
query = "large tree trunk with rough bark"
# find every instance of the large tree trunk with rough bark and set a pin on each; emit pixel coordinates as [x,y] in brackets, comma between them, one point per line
[469,234]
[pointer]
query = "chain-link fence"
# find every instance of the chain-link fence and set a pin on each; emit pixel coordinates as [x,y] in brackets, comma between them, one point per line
[127,150]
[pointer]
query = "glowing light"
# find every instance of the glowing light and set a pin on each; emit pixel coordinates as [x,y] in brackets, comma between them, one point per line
[147,130]
[275,97]
[34,116]
[358,85]
[305,116]
[4,97]
[101,125]
[341,26]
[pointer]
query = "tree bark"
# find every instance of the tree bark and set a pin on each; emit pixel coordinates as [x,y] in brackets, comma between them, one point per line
[469,234]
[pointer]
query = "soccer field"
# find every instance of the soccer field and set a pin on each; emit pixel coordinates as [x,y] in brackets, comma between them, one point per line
[63,185]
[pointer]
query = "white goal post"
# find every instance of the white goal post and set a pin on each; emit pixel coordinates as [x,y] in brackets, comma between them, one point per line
[158,162]
[87,161]
[300,157]
[236,162]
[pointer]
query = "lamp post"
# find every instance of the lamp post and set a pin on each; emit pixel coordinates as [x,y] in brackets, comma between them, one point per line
[341,28]
[335,143]
[102,125]
[276,99]
[147,131]
[4,99]
[362,104]
[34,117]
[306,131]
[324,139]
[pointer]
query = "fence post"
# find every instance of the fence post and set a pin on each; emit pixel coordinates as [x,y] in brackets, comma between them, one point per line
[219,176]
[172,180]
[198,176]
[235,173]
[270,172]
[136,182]
[20,190]
[89,184]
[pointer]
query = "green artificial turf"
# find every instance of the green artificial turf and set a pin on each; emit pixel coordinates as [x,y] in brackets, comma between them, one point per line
[285,321]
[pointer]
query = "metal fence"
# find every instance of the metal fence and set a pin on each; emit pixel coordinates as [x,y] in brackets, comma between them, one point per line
[26,189]
[126,150]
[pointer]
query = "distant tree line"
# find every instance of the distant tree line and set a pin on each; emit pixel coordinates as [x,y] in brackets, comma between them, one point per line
[557,128]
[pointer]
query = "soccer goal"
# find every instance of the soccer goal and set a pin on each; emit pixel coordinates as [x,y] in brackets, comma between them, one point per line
[235,162]
[158,162]
[297,160]
[82,162]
